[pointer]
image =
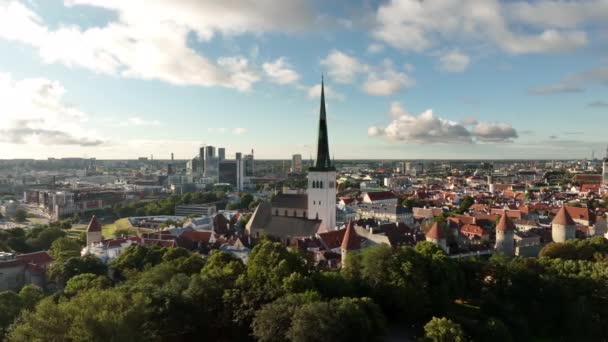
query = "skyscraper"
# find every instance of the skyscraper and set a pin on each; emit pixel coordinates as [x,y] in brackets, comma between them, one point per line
[296,163]
[322,177]
[221,153]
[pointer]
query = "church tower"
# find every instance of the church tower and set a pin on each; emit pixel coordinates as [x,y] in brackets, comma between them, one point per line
[94,231]
[322,178]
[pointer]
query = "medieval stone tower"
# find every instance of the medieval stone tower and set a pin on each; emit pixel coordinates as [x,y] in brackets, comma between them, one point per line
[563,227]
[505,236]
[93,231]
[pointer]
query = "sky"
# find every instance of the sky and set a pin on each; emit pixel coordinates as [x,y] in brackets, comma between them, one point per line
[404,79]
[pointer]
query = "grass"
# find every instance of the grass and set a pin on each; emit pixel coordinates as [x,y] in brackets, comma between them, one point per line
[122,224]
[38,220]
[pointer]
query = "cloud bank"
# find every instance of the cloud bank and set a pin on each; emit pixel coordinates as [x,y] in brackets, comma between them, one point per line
[428,128]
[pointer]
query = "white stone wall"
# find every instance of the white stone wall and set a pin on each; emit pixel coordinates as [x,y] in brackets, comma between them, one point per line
[322,198]
[505,242]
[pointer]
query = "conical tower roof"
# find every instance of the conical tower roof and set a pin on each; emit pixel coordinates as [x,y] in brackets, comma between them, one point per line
[563,218]
[323,162]
[94,225]
[435,232]
[505,224]
[351,240]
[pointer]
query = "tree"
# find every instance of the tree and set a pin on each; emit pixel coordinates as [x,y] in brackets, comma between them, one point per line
[137,257]
[104,315]
[63,271]
[443,330]
[84,282]
[46,237]
[64,248]
[20,215]
[11,305]
[30,296]
[273,320]
[344,319]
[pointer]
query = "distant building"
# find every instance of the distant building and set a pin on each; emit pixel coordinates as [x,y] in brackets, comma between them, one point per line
[221,154]
[229,172]
[195,209]
[296,163]
[19,270]
[605,169]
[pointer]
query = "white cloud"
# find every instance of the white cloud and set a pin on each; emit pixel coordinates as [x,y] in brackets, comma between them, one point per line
[413,25]
[280,71]
[382,80]
[33,113]
[156,45]
[138,121]
[575,83]
[239,131]
[385,80]
[375,48]
[342,67]
[314,92]
[494,132]
[454,61]
[562,14]
[427,128]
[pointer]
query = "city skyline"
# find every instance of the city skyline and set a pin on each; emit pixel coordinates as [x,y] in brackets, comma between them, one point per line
[499,80]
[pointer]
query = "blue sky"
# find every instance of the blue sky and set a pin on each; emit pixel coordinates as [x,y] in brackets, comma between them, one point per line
[405,79]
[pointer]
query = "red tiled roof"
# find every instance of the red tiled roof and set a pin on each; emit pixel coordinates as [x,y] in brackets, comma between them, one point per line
[473,229]
[381,195]
[505,224]
[435,232]
[478,207]
[351,240]
[563,217]
[580,213]
[513,214]
[94,225]
[333,238]
[197,236]
[590,188]
[465,219]
[38,258]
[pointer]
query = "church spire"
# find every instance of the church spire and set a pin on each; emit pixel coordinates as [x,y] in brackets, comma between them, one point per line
[323,162]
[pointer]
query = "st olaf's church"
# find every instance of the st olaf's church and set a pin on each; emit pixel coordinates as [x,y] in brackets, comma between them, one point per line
[291,216]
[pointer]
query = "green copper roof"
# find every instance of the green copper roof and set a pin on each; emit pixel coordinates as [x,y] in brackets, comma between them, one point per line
[323,162]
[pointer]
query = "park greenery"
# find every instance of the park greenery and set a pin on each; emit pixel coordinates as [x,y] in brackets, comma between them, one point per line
[168,294]
[167,205]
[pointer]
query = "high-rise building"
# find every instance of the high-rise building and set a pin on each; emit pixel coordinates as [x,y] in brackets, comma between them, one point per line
[249,165]
[228,172]
[296,163]
[605,168]
[201,160]
[322,177]
[221,153]
[211,163]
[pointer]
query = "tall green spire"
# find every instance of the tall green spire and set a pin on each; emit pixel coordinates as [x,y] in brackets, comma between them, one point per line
[323,162]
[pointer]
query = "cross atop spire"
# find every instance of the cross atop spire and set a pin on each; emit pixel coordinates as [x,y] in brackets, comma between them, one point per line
[323,162]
